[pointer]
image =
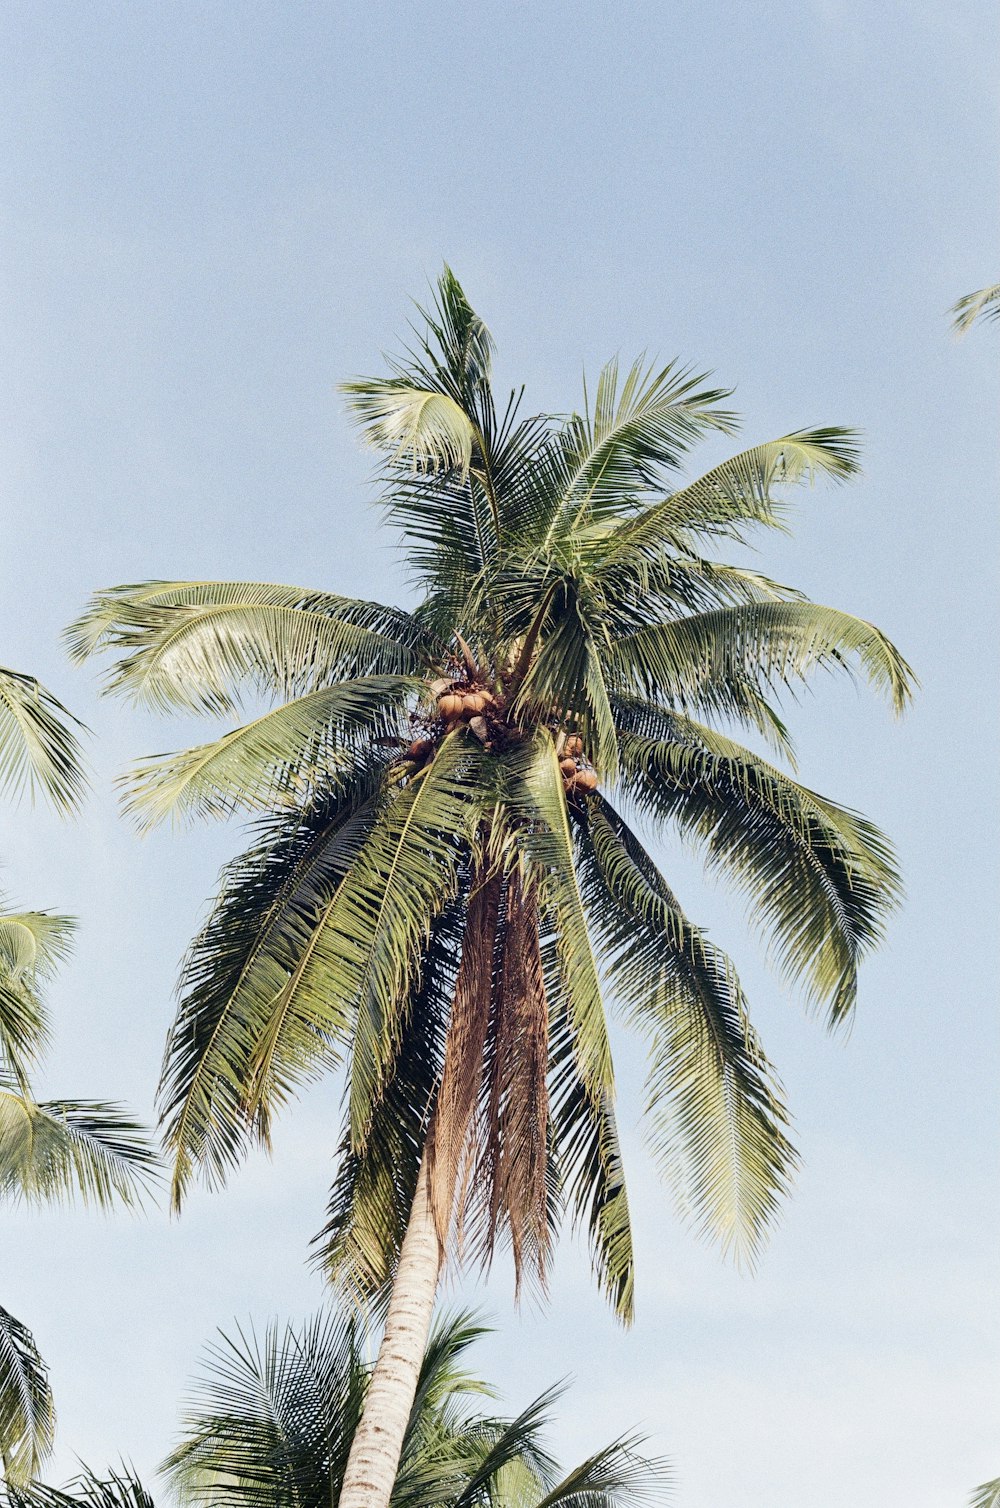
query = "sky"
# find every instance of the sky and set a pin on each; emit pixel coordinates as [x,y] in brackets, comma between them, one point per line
[212,213]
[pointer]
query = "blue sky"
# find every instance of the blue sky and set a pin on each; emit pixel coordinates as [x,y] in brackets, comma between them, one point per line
[213,212]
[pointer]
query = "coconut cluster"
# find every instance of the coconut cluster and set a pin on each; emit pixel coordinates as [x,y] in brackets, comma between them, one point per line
[460,703]
[576,774]
[469,702]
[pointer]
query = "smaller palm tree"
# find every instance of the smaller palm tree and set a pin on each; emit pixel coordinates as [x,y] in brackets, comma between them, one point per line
[50,1150]
[271,1423]
[983,305]
[54,1149]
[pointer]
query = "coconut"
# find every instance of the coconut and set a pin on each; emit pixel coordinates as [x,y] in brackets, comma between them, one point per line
[419,749]
[473,702]
[573,747]
[568,767]
[586,780]
[449,705]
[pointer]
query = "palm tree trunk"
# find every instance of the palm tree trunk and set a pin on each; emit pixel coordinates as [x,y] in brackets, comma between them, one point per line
[378,1440]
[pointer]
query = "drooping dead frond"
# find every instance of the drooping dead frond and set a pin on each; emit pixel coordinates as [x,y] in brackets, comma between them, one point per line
[463,1054]
[511,1175]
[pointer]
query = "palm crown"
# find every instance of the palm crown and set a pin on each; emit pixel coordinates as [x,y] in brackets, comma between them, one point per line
[445,879]
[271,1421]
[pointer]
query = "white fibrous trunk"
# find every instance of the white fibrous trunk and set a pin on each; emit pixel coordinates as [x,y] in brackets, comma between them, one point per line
[378,1439]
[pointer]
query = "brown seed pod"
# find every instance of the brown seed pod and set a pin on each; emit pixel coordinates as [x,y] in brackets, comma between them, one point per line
[568,767]
[419,749]
[449,705]
[573,747]
[473,702]
[586,780]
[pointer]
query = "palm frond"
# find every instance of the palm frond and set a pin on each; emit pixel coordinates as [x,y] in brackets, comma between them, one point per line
[39,751]
[737,493]
[370,947]
[610,455]
[242,1040]
[270,1420]
[200,646]
[61,1149]
[717,1122]
[268,762]
[618,1476]
[27,1418]
[427,430]
[983,305]
[704,660]
[821,879]
[33,944]
[373,1191]
[118,1489]
[987,1495]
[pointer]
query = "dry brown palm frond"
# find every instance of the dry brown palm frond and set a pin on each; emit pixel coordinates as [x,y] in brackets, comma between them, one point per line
[463,1054]
[510,1179]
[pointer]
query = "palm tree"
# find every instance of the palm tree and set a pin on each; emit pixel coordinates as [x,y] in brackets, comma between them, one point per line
[987,1495]
[446,877]
[54,1149]
[983,305]
[271,1424]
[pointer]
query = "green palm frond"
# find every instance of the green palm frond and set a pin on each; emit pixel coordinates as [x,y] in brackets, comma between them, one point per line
[372,943]
[699,661]
[427,430]
[33,944]
[987,1495]
[117,1489]
[739,492]
[270,1421]
[61,1149]
[605,458]
[201,646]
[243,1038]
[27,1419]
[268,762]
[39,751]
[374,1186]
[568,674]
[983,305]
[820,878]
[716,1117]
[619,1476]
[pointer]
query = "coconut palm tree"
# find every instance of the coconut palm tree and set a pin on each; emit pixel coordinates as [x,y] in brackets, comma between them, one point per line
[982,305]
[446,876]
[271,1423]
[56,1149]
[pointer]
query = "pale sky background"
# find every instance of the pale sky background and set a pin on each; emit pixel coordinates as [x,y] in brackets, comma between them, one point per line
[212,212]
